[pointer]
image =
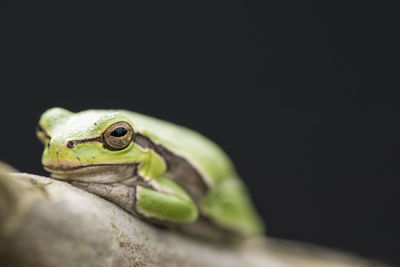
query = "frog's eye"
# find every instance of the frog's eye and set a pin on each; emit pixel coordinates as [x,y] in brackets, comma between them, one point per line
[118,136]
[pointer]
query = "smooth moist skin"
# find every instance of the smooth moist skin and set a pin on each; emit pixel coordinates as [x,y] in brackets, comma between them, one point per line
[159,171]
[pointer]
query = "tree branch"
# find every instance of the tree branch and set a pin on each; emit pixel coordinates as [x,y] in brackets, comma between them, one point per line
[44,222]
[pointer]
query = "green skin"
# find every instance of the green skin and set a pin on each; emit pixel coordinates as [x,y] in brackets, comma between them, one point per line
[138,178]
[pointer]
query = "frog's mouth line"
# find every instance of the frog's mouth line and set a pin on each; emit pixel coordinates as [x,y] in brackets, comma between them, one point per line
[80,168]
[95,173]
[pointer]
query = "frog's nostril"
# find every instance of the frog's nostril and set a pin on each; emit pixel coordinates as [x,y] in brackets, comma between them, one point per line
[71,144]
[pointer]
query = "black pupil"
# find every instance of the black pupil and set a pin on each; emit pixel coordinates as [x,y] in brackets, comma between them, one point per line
[118,132]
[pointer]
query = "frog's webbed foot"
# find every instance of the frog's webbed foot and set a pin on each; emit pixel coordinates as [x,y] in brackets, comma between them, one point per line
[120,194]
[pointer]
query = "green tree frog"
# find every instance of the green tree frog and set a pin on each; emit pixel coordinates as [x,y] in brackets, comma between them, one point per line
[159,171]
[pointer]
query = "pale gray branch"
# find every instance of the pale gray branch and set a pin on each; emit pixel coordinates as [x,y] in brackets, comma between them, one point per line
[44,222]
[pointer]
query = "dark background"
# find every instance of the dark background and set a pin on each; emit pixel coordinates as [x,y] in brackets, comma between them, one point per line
[301,94]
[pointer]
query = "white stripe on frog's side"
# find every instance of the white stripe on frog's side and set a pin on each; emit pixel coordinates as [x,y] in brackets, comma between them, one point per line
[152,184]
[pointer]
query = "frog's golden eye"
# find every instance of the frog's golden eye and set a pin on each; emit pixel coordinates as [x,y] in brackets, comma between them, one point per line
[118,136]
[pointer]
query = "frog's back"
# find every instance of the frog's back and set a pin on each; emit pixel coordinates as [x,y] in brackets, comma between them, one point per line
[211,161]
[227,201]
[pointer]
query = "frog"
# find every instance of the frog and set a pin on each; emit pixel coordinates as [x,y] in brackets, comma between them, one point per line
[161,172]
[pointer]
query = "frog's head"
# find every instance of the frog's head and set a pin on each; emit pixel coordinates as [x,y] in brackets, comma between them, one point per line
[90,146]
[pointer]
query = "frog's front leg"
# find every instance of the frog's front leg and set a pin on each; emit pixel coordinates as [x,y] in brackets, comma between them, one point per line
[165,201]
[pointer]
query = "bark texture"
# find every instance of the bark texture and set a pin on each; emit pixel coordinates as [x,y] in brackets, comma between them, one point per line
[44,222]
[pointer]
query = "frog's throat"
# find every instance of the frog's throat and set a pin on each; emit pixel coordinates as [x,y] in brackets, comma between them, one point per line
[95,173]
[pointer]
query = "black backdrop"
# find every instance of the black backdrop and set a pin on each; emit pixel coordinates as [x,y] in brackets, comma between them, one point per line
[301,94]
